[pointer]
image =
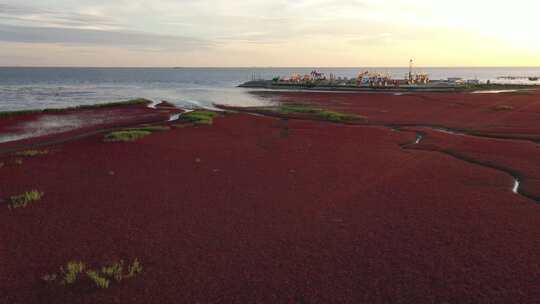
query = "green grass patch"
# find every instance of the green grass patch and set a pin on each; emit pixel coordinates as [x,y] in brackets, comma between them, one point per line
[149,128]
[134,133]
[338,117]
[139,101]
[7,114]
[134,269]
[115,270]
[199,117]
[22,200]
[100,281]
[298,108]
[318,113]
[125,136]
[32,153]
[75,272]
[185,125]
[71,272]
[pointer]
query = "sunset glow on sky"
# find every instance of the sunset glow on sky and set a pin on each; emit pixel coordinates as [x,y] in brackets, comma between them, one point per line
[269,33]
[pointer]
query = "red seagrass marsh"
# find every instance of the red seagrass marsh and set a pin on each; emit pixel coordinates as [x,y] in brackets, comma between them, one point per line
[334,198]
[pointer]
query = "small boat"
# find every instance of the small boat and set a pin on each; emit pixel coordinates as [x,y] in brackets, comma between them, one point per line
[533,78]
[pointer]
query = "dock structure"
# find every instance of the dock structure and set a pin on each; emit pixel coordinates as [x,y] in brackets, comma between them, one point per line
[372,81]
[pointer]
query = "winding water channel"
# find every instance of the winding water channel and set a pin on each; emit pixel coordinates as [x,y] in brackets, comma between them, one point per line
[515,175]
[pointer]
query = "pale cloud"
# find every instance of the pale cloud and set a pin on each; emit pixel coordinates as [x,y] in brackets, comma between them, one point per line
[74,36]
[277,33]
[33,16]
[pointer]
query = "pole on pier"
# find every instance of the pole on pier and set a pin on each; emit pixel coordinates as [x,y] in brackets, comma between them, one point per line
[410,70]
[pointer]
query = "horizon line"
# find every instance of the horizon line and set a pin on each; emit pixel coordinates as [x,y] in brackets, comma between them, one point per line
[255,67]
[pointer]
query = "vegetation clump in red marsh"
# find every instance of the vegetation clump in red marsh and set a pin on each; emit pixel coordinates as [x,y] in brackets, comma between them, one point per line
[302,111]
[78,273]
[129,135]
[22,200]
[199,117]
[139,101]
[32,153]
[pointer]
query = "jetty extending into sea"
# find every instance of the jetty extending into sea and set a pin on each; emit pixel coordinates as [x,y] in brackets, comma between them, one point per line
[378,82]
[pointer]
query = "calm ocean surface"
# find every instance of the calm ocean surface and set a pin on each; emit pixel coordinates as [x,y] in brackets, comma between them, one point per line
[38,88]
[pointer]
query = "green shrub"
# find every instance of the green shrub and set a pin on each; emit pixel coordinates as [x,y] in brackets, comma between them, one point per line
[100,281]
[134,269]
[297,108]
[32,153]
[139,101]
[338,117]
[22,200]
[199,117]
[318,113]
[101,277]
[17,113]
[149,128]
[71,272]
[114,270]
[123,136]
[185,125]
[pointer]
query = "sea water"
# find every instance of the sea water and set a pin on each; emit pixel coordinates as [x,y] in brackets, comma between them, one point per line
[39,88]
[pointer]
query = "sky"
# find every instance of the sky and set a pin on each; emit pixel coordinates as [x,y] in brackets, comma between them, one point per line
[278,33]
